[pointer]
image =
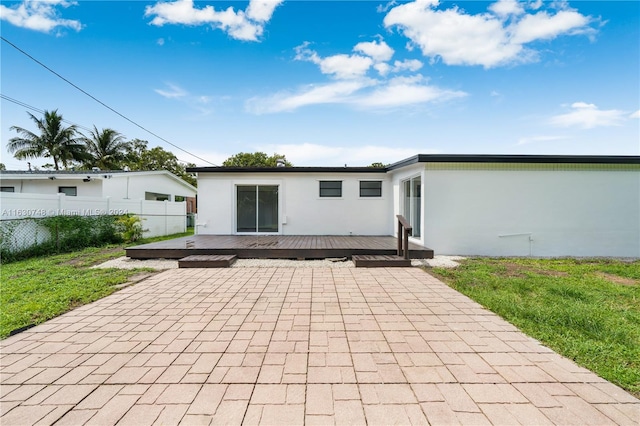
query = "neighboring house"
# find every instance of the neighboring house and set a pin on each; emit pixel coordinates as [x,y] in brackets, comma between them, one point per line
[146,185]
[513,205]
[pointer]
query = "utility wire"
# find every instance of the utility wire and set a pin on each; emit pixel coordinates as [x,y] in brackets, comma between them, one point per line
[102,103]
[25,105]
[32,108]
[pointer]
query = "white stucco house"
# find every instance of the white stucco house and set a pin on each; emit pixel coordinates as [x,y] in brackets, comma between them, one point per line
[495,205]
[122,185]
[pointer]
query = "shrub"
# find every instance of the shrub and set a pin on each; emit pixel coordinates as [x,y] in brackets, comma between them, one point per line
[24,238]
[130,227]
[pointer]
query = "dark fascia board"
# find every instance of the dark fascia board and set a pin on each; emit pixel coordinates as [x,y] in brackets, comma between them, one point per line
[66,172]
[531,159]
[435,158]
[286,170]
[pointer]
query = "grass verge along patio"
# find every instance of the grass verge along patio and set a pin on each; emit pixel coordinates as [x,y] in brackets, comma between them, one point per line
[35,290]
[585,309]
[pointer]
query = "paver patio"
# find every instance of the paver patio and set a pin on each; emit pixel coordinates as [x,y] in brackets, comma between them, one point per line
[294,346]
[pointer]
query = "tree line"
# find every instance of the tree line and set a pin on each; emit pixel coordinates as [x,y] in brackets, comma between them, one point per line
[105,149]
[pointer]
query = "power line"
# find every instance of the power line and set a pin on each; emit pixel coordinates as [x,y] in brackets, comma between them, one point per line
[102,103]
[31,107]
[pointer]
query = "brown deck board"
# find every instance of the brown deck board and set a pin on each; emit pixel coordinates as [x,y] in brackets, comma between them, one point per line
[274,247]
[206,261]
[379,261]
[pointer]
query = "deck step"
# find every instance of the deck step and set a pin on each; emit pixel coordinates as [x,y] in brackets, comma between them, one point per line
[207,261]
[379,261]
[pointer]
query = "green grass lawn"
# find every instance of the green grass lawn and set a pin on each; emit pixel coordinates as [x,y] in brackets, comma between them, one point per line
[587,310]
[35,290]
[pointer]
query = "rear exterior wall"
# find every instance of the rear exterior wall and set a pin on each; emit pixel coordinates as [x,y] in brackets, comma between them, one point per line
[546,212]
[301,209]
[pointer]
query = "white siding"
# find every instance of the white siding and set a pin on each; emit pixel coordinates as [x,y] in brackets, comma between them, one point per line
[134,186]
[567,213]
[302,211]
[50,186]
[159,217]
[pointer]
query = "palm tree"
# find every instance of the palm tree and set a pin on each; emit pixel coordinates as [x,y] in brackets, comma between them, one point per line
[107,149]
[55,141]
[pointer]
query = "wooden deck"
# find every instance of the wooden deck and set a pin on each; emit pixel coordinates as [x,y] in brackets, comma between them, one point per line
[274,247]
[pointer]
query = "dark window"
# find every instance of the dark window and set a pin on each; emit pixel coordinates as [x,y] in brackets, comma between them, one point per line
[68,190]
[152,196]
[331,188]
[7,189]
[371,188]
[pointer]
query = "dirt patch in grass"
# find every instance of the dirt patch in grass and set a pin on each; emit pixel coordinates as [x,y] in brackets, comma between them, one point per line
[617,279]
[515,270]
[82,261]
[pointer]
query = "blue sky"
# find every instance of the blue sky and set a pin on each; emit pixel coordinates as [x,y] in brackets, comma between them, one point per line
[329,83]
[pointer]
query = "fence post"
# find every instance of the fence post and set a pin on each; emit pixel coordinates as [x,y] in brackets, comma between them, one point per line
[61,203]
[166,218]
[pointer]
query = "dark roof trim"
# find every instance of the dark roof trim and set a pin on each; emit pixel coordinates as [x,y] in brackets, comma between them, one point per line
[435,158]
[531,159]
[286,170]
[72,172]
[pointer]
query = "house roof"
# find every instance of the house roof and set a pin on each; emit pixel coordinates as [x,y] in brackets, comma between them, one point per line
[435,158]
[81,174]
[287,169]
[530,159]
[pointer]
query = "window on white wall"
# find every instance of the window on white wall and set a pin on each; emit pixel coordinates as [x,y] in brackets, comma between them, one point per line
[154,196]
[71,191]
[331,188]
[371,188]
[7,189]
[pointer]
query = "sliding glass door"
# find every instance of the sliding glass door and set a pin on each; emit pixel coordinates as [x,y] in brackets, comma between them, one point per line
[412,203]
[257,208]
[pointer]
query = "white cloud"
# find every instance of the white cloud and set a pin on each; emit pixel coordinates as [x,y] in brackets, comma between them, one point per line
[331,93]
[340,66]
[198,103]
[308,154]
[173,92]
[362,93]
[407,65]
[494,38]
[160,42]
[379,51]
[39,15]
[262,10]
[242,25]
[402,91]
[635,114]
[535,139]
[352,86]
[542,26]
[588,116]
[345,66]
[505,8]
[383,68]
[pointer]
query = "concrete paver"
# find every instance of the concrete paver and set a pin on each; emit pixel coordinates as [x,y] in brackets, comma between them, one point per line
[294,346]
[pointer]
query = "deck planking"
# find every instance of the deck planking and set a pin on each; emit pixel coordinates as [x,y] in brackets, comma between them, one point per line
[274,247]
